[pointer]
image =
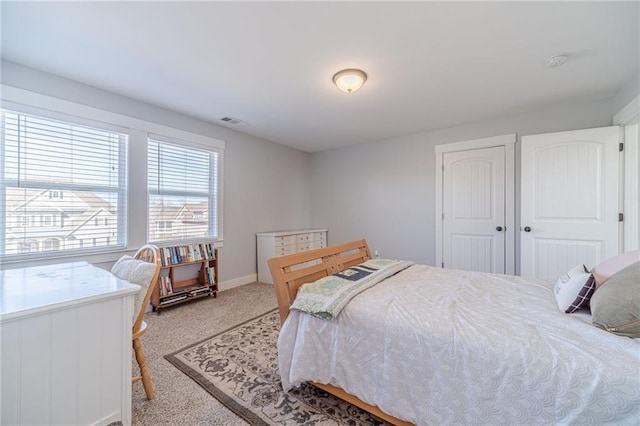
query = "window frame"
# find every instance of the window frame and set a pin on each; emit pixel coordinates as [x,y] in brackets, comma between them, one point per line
[48,220]
[17,99]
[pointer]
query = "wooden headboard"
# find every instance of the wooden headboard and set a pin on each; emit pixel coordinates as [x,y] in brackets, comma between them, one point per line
[290,272]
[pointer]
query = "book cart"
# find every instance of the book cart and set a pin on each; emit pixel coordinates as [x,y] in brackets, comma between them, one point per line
[188,272]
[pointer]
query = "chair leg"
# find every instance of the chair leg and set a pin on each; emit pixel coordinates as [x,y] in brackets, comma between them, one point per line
[146,377]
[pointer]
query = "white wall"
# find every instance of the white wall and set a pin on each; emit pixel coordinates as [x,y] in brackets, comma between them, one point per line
[385,191]
[626,93]
[266,185]
[626,107]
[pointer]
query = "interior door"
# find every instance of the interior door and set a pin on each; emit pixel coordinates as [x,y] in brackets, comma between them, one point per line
[474,210]
[570,200]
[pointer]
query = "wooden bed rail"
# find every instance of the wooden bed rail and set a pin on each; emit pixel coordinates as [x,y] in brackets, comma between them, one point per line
[290,272]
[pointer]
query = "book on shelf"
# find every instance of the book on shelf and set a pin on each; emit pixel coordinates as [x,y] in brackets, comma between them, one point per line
[186,253]
[202,290]
[210,275]
[173,298]
[165,286]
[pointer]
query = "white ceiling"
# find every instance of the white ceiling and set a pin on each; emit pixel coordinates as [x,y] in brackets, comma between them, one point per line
[430,64]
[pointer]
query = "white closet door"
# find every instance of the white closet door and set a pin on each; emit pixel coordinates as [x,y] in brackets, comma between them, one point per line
[474,210]
[569,203]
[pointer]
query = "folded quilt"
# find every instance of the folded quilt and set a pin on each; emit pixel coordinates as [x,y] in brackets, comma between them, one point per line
[326,297]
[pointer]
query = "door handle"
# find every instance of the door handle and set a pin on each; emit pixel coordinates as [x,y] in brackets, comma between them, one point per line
[499,228]
[527,229]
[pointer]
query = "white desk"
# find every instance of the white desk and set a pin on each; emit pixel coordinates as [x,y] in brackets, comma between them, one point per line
[65,349]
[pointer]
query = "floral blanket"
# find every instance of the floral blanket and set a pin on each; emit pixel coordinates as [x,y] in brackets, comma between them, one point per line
[326,297]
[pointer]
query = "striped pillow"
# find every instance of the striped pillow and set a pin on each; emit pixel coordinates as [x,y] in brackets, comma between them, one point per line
[574,289]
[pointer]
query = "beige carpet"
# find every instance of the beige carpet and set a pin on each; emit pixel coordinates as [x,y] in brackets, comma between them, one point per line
[179,400]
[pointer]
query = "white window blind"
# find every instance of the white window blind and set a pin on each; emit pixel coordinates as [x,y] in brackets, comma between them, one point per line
[183,192]
[63,186]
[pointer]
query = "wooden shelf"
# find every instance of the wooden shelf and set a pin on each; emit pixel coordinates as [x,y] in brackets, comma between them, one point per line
[170,291]
[194,262]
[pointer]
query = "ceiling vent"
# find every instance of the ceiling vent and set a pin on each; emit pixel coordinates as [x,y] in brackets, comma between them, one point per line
[556,61]
[234,121]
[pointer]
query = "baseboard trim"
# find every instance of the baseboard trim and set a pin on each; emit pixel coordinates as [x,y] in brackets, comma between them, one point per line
[237,282]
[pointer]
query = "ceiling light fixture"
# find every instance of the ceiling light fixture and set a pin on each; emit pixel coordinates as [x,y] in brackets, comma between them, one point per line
[349,80]
[556,61]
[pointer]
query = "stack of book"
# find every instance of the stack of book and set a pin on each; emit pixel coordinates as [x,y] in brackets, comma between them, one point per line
[199,291]
[187,253]
[173,298]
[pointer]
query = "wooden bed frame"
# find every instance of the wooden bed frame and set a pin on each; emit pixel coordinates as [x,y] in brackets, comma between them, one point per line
[291,272]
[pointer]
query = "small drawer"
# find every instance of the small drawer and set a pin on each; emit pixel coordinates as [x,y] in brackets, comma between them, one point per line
[283,251]
[285,240]
[303,238]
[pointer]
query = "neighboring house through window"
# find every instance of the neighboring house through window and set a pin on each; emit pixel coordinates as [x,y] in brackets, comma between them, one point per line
[183,191]
[63,175]
[65,183]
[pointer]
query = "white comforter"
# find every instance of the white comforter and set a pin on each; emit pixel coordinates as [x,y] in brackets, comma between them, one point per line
[438,346]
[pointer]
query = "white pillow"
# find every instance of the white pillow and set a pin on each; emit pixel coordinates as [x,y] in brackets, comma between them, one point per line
[136,272]
[574,289]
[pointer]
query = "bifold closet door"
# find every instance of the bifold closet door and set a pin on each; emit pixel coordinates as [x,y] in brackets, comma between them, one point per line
[473,222]
[569,201]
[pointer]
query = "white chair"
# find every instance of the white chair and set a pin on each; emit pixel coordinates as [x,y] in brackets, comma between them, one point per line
[142,269]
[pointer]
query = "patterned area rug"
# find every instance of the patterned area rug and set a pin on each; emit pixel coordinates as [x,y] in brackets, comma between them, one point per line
[239,367]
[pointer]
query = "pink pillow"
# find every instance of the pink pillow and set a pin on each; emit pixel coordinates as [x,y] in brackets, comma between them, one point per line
[606,269]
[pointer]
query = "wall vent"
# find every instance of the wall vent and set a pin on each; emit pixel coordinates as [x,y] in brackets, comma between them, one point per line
[234,121]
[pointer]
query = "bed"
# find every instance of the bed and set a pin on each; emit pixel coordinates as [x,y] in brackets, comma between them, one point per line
[437,346]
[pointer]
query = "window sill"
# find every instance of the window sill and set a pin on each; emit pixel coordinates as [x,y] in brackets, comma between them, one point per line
[96,257]
[38,259]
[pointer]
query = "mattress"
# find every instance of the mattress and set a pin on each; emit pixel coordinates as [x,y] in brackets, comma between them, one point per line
[441,346]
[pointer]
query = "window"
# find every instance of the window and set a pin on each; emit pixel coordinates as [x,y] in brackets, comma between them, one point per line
[27,246]
[51,165]
[164,226]
[182,181]
[51,244]
[46,220]
[22,221]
